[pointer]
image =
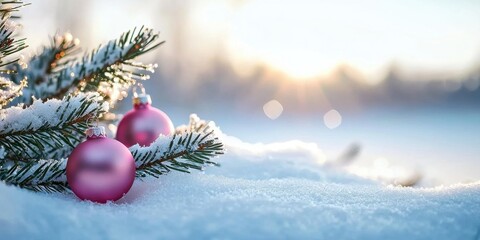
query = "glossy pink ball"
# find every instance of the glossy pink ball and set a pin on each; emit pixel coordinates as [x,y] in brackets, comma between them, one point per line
[100,169]
[143,125]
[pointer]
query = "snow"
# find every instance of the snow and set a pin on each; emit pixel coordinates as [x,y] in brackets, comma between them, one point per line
[262,191]
[107,55]
[198,133]
[104,56]
[46,113]
[39,69]
[110,54]
[9,90]
[160,147]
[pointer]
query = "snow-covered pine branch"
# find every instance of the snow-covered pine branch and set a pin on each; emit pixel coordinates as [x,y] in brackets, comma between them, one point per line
[192,147]
[47,125]
[42,175]
[42,69]
[8,44]
[109,67]
[9,90]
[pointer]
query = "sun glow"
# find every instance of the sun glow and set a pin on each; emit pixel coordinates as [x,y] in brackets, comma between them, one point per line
[306,39]
[278,42]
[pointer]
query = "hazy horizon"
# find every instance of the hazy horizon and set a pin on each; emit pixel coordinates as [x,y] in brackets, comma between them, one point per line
[302,39]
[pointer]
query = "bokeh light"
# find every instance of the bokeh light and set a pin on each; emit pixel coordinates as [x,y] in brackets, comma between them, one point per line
[273,109]
[332,119]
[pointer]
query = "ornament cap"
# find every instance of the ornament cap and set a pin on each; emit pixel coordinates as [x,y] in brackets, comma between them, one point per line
[96,131]
[142,99]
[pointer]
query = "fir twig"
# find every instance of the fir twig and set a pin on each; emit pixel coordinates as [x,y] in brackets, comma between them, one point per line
[191,147]
[9,91]
[39,176]
[111,65]
[42,69]
[44,175]
[53,124]
[8,44]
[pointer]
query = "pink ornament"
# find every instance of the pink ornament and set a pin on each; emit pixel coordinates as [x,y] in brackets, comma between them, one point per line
[100,169]
[143,124]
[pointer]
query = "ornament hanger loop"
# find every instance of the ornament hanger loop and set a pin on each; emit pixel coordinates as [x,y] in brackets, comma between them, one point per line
[94,130]
[142,89]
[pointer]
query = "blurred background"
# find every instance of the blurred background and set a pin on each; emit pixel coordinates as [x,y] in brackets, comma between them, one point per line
[391,87]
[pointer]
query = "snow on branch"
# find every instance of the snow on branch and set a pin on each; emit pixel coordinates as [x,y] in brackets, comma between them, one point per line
[108,67]
[41,70]
[39,176]
[8,44]
[192,147]
[48,124]
[9,90]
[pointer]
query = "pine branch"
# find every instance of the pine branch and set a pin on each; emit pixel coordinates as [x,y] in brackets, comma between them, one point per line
[188,151]
[8,44]
[43,68]
[53,124]
[109,66]
[9,91]
[192,147]
[39,176]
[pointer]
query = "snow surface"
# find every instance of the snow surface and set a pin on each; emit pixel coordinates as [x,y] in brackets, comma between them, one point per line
[262,191]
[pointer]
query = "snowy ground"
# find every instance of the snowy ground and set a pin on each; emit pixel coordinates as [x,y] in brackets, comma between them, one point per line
[262,191]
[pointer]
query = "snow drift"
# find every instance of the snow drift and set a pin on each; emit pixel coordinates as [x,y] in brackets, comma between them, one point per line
[262,191]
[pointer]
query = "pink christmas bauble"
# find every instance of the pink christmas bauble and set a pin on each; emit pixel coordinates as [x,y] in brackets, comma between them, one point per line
[143,124]
[100,169]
